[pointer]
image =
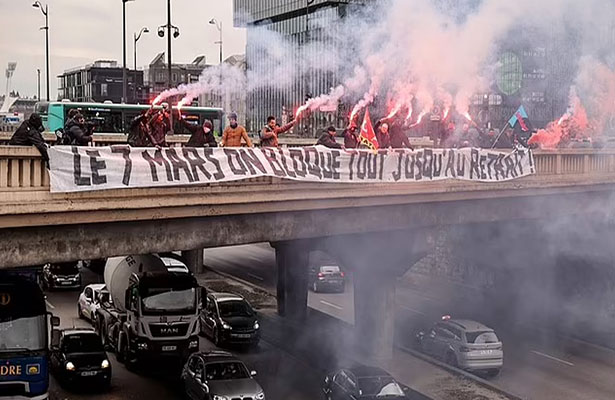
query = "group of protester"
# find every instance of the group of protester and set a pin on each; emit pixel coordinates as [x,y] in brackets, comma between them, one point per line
[150,129]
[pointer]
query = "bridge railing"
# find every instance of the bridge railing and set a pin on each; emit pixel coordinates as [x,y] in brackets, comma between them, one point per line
[22,168]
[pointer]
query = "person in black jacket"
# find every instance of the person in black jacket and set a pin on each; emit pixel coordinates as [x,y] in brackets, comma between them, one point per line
[398,138]
[77,131]
[351,139]
[327,139]
[201,136]
[29,134]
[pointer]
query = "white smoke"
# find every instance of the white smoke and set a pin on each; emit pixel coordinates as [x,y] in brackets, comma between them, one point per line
[421,51]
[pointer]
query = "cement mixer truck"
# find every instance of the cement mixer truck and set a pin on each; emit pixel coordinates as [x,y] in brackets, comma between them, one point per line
[148,313]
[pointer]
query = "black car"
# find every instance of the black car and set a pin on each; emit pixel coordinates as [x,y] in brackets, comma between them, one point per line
[229,319]
[219,375]
[61,276]
[327,277]
[362,382]
[80,358]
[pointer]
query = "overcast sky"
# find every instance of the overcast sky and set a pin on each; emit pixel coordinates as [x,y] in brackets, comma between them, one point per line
[82,31]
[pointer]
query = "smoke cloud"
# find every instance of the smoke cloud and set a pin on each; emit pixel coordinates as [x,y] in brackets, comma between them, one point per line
[422,53]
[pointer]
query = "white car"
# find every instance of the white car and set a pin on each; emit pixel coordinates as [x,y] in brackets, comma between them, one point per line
[88,304]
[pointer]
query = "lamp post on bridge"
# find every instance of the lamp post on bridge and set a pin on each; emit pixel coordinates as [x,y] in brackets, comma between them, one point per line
[45,11]
[136,39]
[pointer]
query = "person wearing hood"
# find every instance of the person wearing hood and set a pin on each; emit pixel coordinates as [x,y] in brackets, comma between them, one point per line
[29,134]
[235,133]
[201,136]
[77,131]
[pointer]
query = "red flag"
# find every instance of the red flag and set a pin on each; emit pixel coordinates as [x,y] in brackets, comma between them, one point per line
[368,137]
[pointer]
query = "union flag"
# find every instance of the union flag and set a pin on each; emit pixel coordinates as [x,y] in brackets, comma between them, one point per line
[367,137]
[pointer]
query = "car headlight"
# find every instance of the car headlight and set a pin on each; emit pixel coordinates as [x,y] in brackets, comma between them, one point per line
[226,326]
[256,325]
[142,346]
[260,396]
[70,366]
[216,397]
[105,364]
[193,344]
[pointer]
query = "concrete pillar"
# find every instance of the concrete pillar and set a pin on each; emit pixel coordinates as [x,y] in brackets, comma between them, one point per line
[374,309]
[292,260]
[194,260]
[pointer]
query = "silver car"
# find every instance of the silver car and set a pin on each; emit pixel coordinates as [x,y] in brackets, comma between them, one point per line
[466,344]
[221,376]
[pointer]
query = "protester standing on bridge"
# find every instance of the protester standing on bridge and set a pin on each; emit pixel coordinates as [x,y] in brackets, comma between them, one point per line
[140,134]
[269,135]
[29,134]
[351,139]
[383,136]
[77,132]
[327,139]
[201,136]
[398,138]
[159,126]
[234,133]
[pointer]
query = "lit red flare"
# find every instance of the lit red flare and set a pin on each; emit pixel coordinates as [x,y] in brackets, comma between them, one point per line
[300,111]
[446,112]
[157,100]
[394,111]
[420,118]
[467,116]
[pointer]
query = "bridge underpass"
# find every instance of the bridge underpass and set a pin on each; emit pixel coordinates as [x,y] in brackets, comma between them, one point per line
[397,218]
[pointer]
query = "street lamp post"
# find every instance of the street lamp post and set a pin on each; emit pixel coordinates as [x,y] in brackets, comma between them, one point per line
[45,11]
[137,37]
[161,32]
[38,84]
[124,73]
[218,25]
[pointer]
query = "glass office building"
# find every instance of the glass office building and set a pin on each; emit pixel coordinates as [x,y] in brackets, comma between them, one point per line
[299,23]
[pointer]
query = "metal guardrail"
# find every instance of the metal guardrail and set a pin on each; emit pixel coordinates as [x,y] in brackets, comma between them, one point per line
[21,168]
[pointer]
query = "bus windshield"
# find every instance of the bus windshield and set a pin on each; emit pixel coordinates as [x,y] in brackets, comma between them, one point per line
[23,334]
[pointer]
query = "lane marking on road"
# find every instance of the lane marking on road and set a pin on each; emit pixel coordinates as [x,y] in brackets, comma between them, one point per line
[49,305]
[553,358]
[411,309]
[326,303]
[256,277]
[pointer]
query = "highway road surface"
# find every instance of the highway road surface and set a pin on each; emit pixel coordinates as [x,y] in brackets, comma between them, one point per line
[539,364]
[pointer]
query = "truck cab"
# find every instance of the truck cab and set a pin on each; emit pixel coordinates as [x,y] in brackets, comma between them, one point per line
[161,316]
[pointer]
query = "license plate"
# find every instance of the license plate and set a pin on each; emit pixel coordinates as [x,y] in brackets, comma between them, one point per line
[65,283]
[169,348]
[486,352]
[242,335]
[89,373]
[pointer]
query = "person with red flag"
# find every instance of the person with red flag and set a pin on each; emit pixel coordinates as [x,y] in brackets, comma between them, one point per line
[367,138]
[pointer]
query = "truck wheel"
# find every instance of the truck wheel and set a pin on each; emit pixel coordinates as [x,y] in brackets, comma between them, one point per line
[119,351]
[79,313]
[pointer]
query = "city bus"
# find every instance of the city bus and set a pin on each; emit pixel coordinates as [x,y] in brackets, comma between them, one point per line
[110,118]
[25,332]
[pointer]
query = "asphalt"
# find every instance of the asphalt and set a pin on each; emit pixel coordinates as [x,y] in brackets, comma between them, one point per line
[539,364]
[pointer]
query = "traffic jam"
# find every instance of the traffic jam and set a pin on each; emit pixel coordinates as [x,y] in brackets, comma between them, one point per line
[150,310]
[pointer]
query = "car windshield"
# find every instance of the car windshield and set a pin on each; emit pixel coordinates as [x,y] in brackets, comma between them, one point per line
[235,308]
[330,269]
[64,269]
[165,299]
[382,386]
[482,337]
[23,334]
[82,343]
[223,371]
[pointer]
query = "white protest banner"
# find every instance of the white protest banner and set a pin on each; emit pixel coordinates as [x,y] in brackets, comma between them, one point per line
[74,169]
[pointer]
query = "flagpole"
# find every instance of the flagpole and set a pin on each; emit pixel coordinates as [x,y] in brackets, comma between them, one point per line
[499,136]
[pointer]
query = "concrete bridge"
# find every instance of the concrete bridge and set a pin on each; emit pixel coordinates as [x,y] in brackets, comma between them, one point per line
[379,229]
